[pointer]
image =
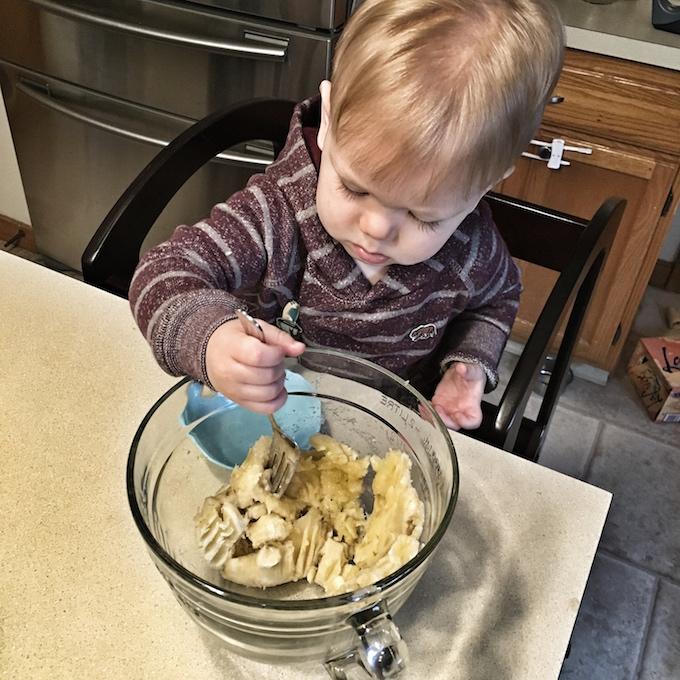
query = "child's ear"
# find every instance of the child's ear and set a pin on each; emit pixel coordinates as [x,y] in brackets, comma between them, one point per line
[325,90]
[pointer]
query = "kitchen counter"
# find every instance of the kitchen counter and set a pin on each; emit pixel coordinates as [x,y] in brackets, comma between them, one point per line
[80,597]
[621,29]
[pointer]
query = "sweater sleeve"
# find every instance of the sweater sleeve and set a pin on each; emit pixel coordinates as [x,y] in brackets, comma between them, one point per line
[187,286]
[480,332]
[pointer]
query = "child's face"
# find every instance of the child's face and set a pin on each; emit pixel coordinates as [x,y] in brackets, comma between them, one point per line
[383,225]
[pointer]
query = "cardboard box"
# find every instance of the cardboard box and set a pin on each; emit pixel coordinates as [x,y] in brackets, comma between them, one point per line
[654,369]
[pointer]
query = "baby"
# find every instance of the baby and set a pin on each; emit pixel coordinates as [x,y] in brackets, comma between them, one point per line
[371,218]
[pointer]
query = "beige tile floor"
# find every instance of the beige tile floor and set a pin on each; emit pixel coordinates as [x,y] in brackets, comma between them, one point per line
[628,627]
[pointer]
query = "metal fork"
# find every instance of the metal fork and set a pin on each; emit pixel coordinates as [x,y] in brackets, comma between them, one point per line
[284,452]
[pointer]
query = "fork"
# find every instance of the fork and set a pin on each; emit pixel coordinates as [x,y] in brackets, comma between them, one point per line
[284,453]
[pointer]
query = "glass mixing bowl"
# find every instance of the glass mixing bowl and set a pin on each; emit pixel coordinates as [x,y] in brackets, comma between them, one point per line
[169,476]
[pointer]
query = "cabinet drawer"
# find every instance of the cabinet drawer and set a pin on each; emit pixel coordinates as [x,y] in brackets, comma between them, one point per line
[619,100]
[637,175]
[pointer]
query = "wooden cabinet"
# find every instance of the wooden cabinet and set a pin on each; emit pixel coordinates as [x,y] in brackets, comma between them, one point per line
[629,115]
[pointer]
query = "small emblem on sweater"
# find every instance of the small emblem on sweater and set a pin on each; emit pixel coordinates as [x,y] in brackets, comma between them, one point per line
[288,321]
[423,332]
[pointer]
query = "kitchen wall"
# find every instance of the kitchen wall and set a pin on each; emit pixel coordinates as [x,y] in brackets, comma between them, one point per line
[12,199]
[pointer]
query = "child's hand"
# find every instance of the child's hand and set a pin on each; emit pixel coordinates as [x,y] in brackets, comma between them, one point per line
[248,371]
[458,396]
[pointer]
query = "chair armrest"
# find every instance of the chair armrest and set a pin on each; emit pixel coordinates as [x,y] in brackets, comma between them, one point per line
[573,288]
[111,256]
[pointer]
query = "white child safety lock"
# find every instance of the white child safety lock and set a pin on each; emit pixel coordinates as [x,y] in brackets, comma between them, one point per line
[552,152]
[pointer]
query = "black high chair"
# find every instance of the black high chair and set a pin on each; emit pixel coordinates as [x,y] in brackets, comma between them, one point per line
[575,248]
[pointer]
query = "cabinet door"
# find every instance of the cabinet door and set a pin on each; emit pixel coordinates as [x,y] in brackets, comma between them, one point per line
[644,180]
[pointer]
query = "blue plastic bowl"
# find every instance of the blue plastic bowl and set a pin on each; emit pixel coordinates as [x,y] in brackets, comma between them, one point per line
[225,436]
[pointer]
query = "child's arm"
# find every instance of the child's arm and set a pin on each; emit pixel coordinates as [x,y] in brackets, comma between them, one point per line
[184,289]
[475,340]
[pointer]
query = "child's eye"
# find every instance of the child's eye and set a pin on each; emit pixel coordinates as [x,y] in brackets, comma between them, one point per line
[427,226]
[350,193]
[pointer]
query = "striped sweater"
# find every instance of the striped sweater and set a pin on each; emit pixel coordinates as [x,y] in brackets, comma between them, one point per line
[265,246]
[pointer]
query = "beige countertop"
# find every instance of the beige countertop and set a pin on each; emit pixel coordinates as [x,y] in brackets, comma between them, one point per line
[80,597]
[621,29]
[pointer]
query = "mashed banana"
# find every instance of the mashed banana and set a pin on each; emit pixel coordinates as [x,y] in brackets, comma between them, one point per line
[318,529]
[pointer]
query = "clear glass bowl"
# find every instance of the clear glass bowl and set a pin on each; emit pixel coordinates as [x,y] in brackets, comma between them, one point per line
[168,477]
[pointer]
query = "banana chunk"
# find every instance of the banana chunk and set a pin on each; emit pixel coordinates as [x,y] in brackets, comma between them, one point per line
[252,569]
[397,510]
[270,528]
[318,530]
[220,525]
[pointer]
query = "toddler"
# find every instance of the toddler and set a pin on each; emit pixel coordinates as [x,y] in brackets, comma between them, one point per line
[371,218]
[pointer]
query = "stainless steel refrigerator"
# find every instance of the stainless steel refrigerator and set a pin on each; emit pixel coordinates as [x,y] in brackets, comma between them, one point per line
[93,88]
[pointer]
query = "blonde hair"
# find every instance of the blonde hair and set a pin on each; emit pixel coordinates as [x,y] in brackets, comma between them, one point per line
[453,89]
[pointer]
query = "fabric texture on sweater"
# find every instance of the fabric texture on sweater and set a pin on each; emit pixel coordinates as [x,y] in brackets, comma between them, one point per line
[265,246]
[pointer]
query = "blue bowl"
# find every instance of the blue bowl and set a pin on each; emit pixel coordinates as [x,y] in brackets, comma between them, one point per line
[225,436]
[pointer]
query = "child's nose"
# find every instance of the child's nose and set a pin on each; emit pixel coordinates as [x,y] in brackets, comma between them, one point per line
[380,223]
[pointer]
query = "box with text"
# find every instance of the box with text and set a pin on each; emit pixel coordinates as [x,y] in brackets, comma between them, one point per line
[654,369]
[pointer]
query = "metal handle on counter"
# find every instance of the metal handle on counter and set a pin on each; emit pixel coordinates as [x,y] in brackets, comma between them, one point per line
[48,100]
[237,49]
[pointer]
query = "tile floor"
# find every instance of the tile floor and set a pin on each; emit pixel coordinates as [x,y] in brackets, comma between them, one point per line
[628,627]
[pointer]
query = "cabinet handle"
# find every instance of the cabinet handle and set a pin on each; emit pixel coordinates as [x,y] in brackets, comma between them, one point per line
[555,99]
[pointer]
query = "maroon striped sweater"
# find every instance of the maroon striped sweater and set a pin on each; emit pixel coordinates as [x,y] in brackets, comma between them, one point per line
[265,246]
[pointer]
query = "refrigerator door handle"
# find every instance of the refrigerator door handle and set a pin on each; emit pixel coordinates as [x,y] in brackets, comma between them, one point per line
[43,96]
[275,52]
